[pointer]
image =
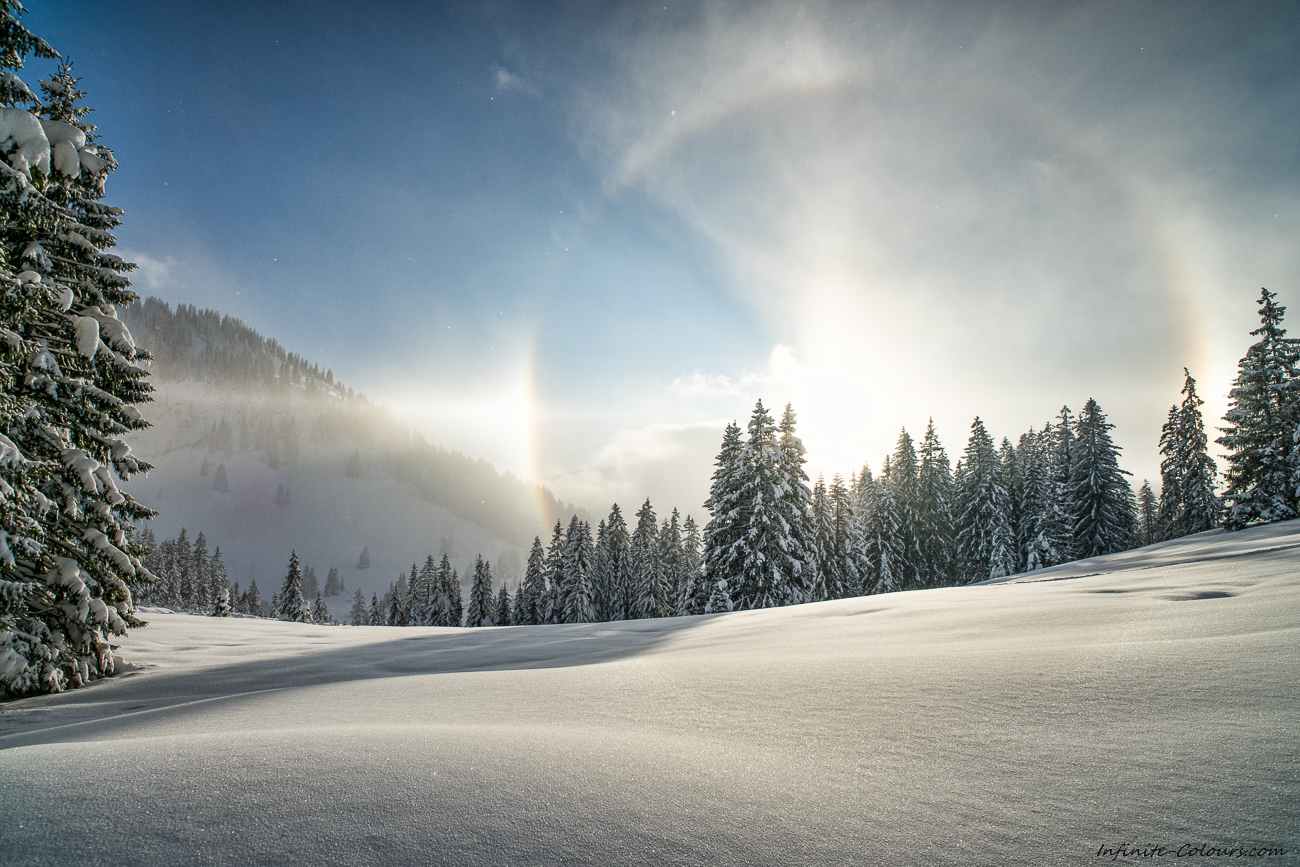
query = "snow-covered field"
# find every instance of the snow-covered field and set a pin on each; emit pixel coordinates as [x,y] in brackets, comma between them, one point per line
[1031,721]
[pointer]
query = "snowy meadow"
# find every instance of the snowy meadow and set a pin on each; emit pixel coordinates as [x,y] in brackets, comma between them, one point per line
[1142,698]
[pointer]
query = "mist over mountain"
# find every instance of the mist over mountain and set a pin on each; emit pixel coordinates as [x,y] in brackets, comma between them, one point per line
[265,453]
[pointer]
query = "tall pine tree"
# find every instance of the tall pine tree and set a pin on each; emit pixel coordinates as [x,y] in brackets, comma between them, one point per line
[1261,424]
[1101,499]
[1187,472]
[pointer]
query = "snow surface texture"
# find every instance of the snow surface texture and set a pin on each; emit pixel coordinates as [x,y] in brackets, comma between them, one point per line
[1022,722]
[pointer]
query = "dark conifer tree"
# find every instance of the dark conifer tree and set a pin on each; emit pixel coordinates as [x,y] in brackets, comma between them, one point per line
[481,611]
[363,562]
[849,552]
[936,497]
[796,509]
[1260,426]
[68,365]
[1187,472]
[985,538]
[1148,516]
[1101,499]
[828,580]
[646,568]
[358,616]
[528,604]
[332,587]
[578,555]
[905,483]
[771,556]
[602,585]
[696,590]
[292,606]
[726,527]
[253,600]
[319,613]
[884,542]
[552,606]
[503,606]
[670,556]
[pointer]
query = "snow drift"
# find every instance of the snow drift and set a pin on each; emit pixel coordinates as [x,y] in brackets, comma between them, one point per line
[1146,698]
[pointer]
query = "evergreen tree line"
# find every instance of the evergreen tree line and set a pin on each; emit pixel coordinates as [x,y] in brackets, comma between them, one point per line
[185,577]
[205,346]
[71,380]
[653,570]
[1055,495]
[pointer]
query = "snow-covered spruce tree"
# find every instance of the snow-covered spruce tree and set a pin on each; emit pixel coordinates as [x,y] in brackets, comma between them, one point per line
[427,602]
[217,572]
[670,556]
[905,480]
[695,590]
[1260,426]
[770,557]
[319,613]
[796,509]
[828,580]
[292,606]
[69,385]
[578,553]
[1148,516]
[600,573]
[850,550]
[724,533]
[253,600]
[719,598]
[646,568]
[1014,484]
[481,611]
[610,586]
[222,606]
[457,599]
[985,538]
[503,606]
[1187,472]
[934,512]
[862,493]
[376,617]
[358,615]
[446,602]
[399,602]
[1101,499]
[884,539]
[528,602]
[1042,517]
[551,609]
[363,562]
[332,582]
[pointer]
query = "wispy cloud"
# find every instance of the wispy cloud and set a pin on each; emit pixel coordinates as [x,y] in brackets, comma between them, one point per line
[508,81]
[949,216]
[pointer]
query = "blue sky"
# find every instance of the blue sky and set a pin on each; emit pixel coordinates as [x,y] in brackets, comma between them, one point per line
[577,239]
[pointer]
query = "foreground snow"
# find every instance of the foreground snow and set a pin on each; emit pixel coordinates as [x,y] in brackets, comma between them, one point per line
[1030,721]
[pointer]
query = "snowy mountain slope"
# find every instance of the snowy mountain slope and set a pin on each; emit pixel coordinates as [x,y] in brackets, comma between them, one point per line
[1026,722]
[331,516]
[231,401]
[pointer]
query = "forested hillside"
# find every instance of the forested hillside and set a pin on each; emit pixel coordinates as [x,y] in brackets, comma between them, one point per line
[265,453]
